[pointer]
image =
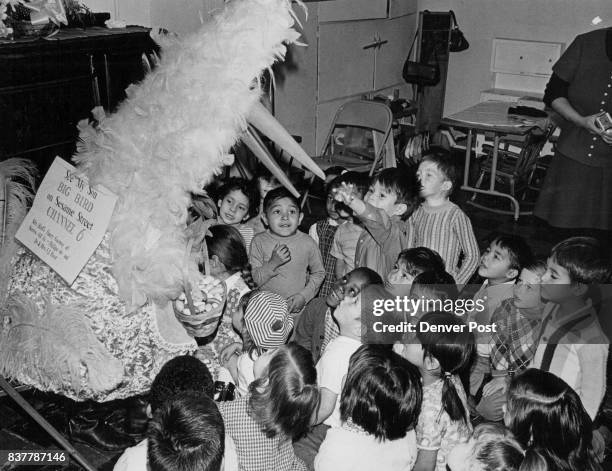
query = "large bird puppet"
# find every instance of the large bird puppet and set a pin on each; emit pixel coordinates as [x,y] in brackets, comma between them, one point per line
[105,336]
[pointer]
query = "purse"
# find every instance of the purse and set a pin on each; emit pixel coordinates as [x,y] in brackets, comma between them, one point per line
[457,42]
[421,73]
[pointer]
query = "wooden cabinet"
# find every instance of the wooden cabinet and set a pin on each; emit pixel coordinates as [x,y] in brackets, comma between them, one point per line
[48,85]
[354,48]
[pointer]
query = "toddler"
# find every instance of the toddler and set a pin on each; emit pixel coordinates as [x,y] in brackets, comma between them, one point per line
[283,259]
[572,344]
[379,408]
[264,182]
[265,325]
[500,265]
[389,201]
[410,263]
[237,201]
[548,419]
[514,343]
[279,408]
[440,357]
[439,223]
[348,233]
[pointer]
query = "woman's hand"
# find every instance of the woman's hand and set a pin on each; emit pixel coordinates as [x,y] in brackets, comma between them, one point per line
[588,122]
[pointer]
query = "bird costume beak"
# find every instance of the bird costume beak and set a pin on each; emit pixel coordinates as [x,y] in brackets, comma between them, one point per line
[262,119]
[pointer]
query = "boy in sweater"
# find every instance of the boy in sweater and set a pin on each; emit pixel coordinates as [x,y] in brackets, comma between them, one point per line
[284,260]
[440,224]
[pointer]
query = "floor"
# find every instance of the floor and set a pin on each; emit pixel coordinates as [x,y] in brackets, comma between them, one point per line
[18,431]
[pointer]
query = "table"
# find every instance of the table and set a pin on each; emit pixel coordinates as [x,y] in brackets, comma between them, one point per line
[491,117]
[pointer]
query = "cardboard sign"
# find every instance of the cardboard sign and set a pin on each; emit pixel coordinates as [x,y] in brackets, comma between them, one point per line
[67,220]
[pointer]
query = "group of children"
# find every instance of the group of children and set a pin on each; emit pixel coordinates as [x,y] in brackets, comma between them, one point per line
[312,393]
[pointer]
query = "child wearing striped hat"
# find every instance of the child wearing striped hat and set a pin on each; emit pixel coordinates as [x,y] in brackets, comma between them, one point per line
[265,325]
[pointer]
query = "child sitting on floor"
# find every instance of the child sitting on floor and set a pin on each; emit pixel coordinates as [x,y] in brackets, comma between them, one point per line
[440,357]
[186,433]
[237,201]
[383,212]
[500,265]
[379,408]
[572,344]
[279,408]
[439,223]
[515,340]
[548,419]
[491,448]
[265,325]
[182,374]
[283,259]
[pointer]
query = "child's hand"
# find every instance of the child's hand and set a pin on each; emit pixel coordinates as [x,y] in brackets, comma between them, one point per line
[296,303]
[345,193]
[229,351]
[280,256]
[496,384]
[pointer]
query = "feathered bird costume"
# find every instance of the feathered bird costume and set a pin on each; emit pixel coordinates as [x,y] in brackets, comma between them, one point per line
[107,335]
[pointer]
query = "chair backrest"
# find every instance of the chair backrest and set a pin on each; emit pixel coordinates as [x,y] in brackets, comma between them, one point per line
[531,150]
[366,114]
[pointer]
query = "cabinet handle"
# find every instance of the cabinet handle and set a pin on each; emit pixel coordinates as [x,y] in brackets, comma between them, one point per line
[371,45]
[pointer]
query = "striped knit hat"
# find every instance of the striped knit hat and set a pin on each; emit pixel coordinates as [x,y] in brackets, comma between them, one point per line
[267,319]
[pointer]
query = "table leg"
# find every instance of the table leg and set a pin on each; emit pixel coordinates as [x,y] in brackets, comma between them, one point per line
[468,152]
[494,162]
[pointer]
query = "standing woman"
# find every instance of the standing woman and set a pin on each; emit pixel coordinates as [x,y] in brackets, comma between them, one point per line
[577,191]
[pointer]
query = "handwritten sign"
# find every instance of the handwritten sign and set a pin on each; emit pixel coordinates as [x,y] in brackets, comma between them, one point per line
[67,220]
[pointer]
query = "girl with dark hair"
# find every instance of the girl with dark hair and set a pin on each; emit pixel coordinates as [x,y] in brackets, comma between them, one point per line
[280,407]
[379,408]
[441,355]
[547,417]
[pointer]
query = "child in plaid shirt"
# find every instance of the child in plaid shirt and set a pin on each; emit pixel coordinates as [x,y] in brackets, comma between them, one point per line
[514,343]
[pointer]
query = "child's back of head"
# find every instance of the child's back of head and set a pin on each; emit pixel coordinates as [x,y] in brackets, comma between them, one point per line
[585,259]
[227,245]
[382,393]
[186,434]
[434,285]
[446,350]
[284,400]
[267,320]
[547,417]
[492,447]
[184,373]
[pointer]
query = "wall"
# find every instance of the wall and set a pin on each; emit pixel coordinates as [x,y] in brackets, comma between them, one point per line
[179,16]
[483,20]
